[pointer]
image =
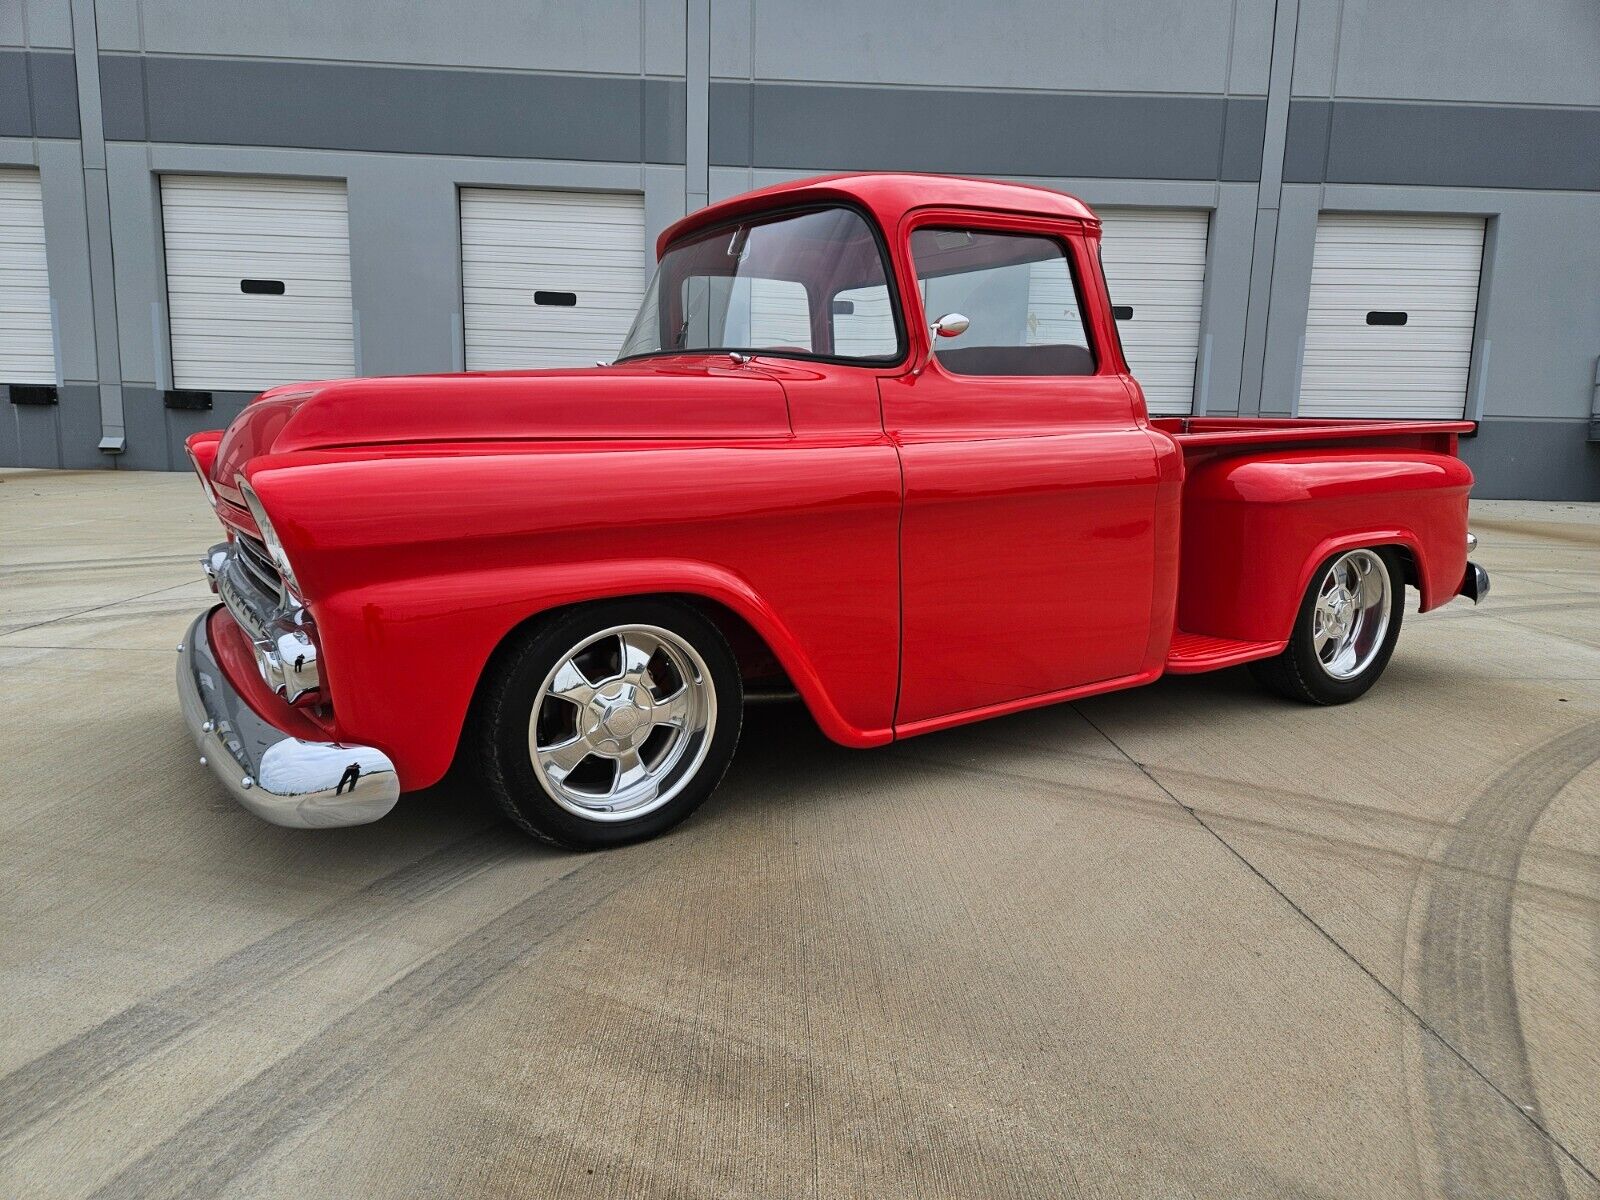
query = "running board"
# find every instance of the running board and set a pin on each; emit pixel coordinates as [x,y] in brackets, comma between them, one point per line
[1191,653]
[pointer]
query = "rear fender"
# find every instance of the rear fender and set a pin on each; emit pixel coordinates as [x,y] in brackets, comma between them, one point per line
[1256,528]
[405,657]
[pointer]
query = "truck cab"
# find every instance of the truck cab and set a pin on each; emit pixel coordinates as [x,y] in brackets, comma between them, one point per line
[871,437]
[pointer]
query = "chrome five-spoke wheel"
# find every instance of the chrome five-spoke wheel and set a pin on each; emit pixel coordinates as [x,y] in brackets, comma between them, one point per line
[622,722]
[609,722]
[1344,631]
[1351,613]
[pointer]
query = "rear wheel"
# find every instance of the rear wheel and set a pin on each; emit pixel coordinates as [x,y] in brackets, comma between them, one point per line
[610,723]
[1345,631]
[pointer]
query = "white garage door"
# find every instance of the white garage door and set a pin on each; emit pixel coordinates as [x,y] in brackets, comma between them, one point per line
[258,281]
[549,279]
[27,353]
[1389,328]
[1155,264]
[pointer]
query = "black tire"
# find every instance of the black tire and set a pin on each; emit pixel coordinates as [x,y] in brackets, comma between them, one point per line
[504,764]
[1298,672]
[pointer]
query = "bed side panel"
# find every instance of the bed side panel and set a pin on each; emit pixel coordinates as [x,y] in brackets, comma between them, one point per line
[1256,527]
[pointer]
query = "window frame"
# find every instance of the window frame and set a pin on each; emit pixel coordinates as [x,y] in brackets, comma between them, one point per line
[903,342]
[1071,234]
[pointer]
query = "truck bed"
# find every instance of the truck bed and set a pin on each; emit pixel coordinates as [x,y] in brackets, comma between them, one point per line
[1206,440]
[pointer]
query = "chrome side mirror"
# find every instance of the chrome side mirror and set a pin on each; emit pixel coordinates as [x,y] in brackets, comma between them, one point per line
[951,325]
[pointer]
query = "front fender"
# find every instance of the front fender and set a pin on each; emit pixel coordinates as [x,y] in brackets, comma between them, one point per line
[404,658]
[417,563]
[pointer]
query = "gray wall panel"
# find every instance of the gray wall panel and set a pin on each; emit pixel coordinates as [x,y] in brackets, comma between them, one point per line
[1305,154]
[122,97]
[36,23]
[16,108]
[665,119]
[400,109]
[78,425]
[10,434]
[1140,137]
[37,433]
[1316,46]
[730,38]
[663,29]
[1488,50]
[147,431]
[66,247]
[1288,297]
[1250,55]
[1244,131]
[595,36]
[38,94]
[53,85]
[1533,460]
[117,24]
[1134,45]
[1447,145]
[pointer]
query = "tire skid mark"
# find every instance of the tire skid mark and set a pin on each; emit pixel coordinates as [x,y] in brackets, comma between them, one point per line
[81,1065]
[1357,849]
[1455,1068]
[330,1069]
[1461,981]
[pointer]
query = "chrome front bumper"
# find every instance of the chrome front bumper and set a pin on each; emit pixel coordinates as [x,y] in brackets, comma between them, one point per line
[280,778]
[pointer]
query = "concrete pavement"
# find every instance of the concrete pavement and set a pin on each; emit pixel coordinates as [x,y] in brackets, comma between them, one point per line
[1189,940]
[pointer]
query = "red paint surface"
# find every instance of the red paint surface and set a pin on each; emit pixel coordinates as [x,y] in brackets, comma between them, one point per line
[917,549]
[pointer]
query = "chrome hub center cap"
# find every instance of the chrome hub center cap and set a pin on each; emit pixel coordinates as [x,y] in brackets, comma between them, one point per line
[619,716]
[1340,612]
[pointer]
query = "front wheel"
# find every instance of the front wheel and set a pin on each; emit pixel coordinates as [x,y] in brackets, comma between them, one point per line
[610,723]
[1345,631]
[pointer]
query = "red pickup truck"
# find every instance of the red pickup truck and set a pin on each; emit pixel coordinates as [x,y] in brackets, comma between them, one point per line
[872,439]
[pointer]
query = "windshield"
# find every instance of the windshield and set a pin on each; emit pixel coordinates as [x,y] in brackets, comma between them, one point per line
[810,283]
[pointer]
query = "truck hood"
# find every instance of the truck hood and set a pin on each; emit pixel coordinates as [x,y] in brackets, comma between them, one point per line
[651,399]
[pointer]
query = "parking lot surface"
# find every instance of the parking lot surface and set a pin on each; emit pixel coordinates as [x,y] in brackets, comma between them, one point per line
[1189,940]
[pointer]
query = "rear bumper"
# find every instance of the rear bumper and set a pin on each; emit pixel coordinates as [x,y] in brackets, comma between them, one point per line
[1474,584]
[281,778]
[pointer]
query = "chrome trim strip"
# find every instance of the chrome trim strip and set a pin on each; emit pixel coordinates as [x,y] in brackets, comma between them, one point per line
[282,779]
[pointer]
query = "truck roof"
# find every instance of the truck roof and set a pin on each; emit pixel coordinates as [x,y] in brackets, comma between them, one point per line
[888,196]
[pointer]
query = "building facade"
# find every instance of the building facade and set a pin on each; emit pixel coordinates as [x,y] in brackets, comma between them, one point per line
[1348,207]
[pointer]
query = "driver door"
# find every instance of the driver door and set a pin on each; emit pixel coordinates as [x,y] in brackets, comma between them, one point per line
[1027,540]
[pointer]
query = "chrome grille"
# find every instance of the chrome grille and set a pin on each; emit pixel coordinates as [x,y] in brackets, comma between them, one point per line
[280,628]
[254,558]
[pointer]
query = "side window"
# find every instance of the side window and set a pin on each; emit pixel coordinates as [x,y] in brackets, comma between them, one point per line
[1018,292]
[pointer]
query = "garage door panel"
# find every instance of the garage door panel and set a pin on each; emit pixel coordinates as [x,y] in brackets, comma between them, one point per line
[516,242]
[27,345]
[219,231]
[1424,266]
[1155,263]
